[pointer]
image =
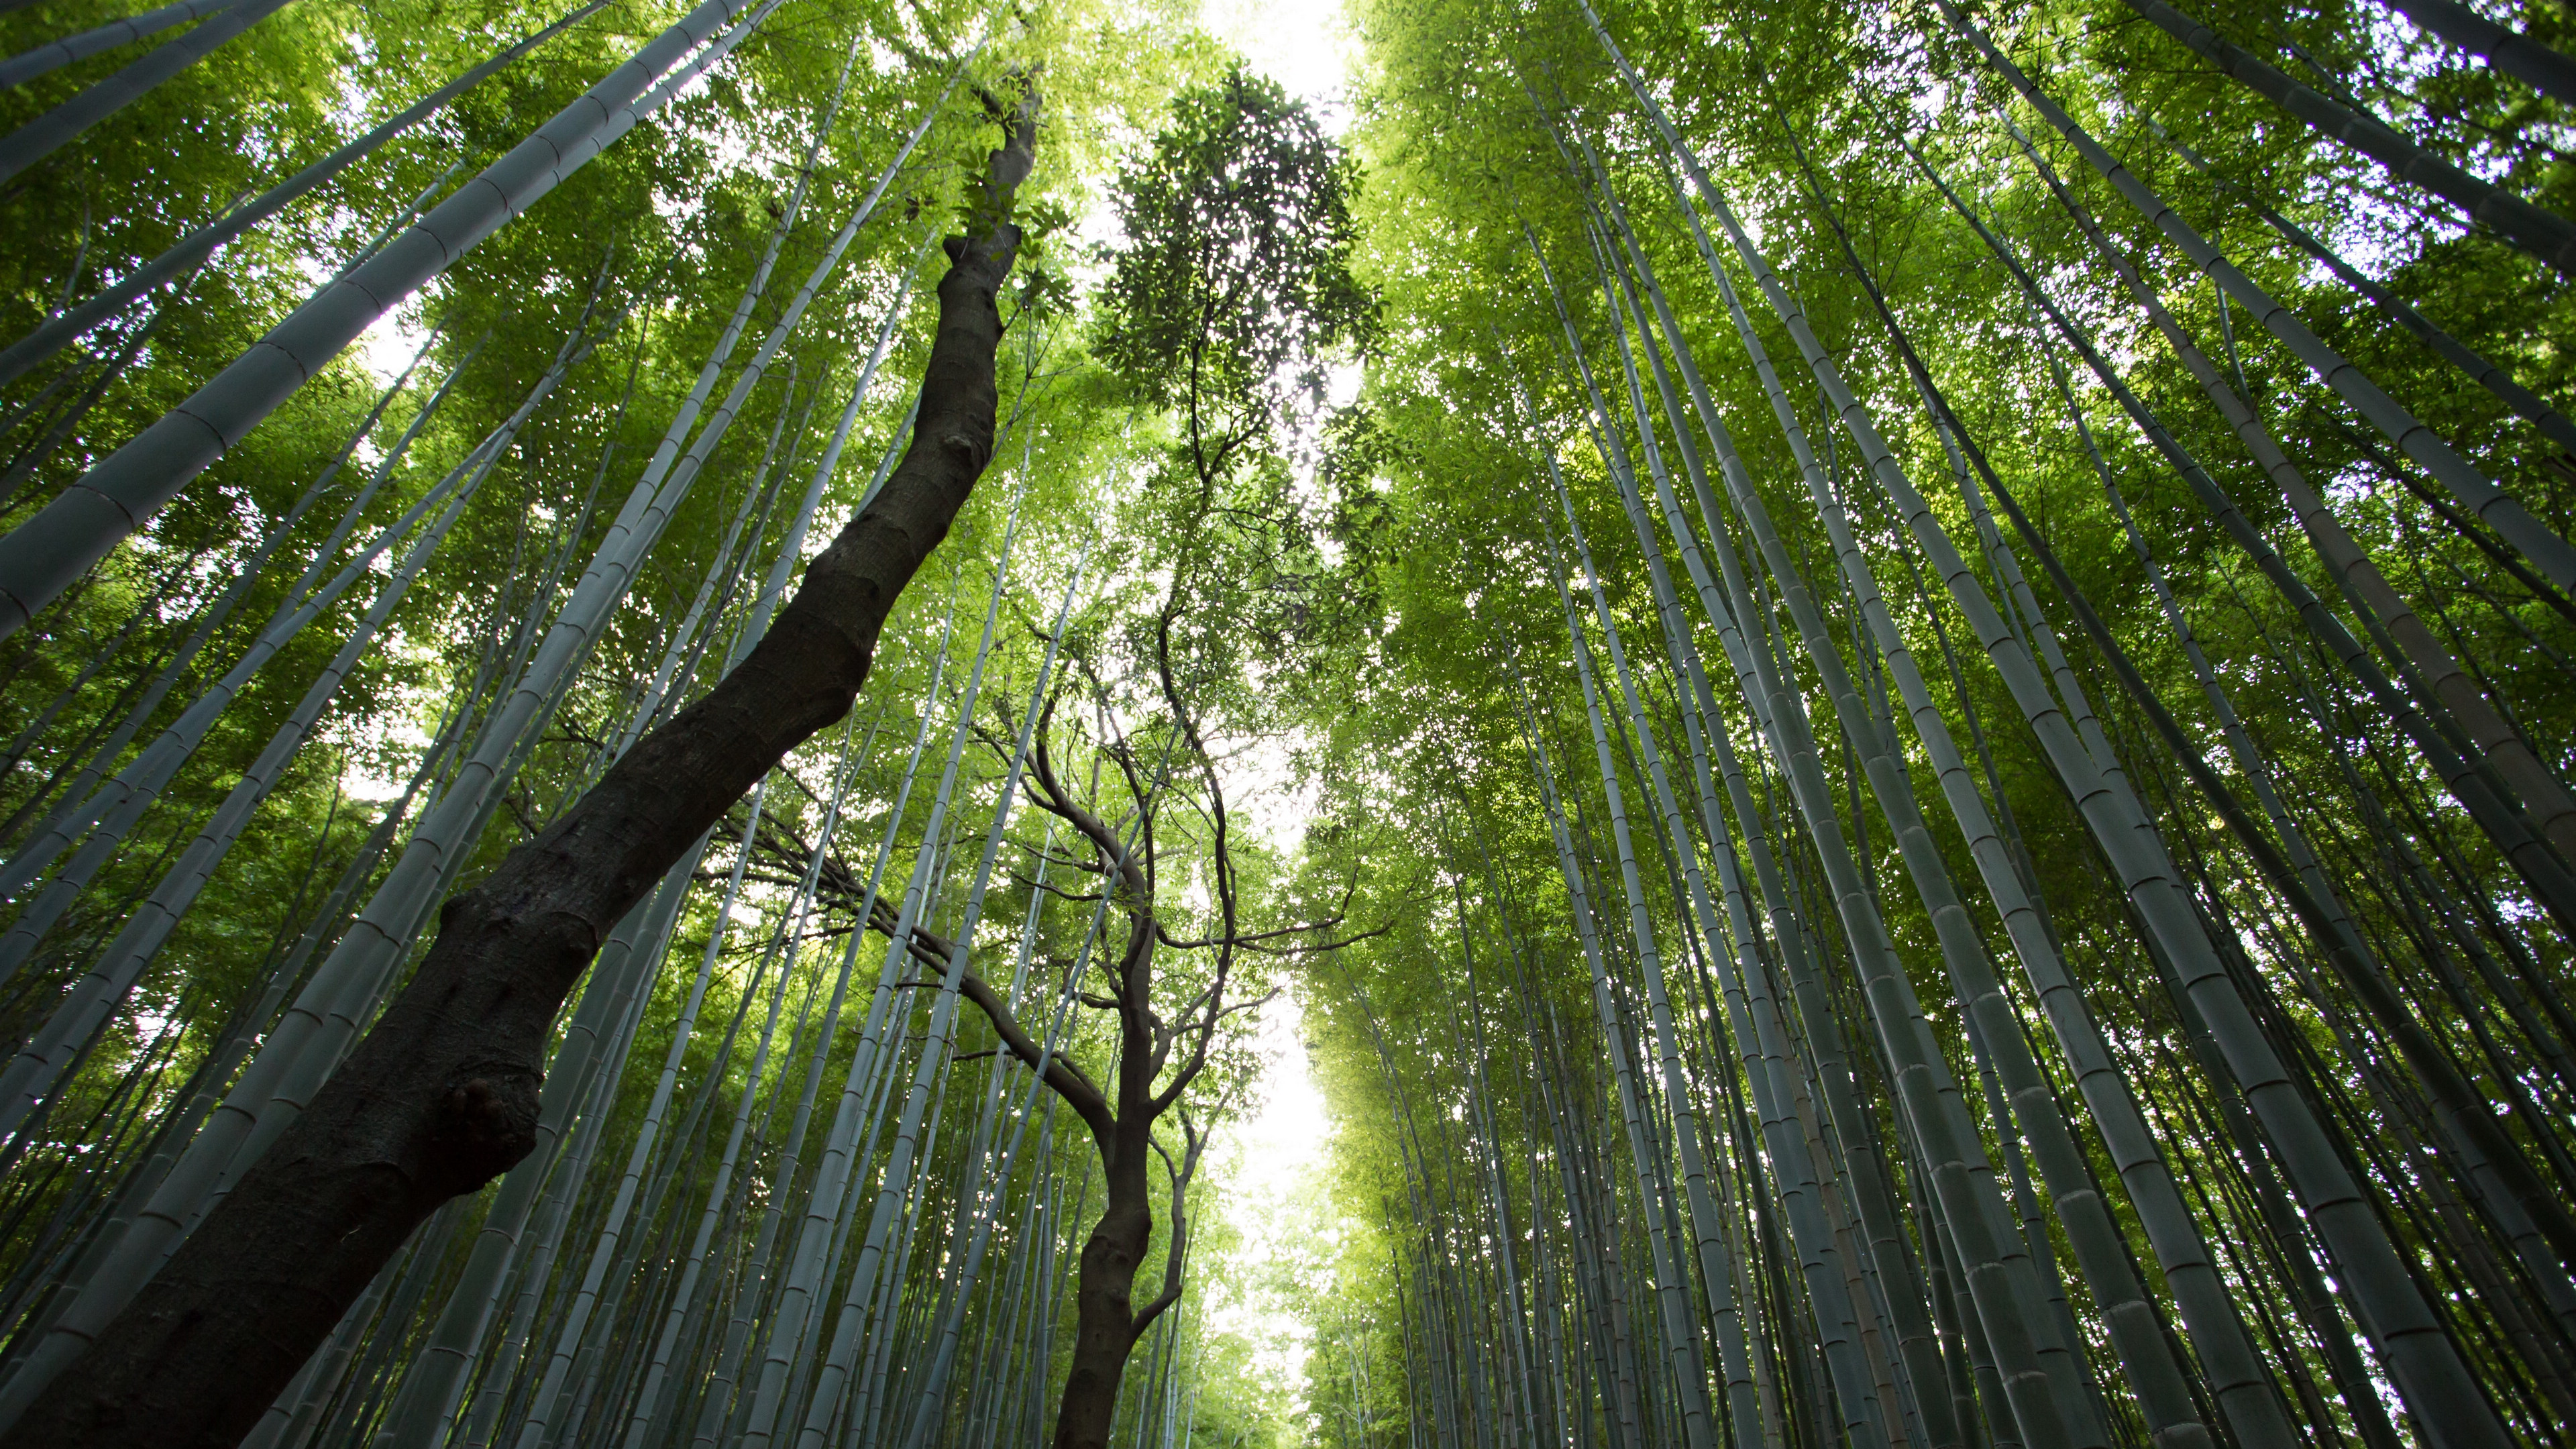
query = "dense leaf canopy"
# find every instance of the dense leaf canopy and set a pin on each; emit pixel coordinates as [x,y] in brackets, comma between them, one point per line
[1883,691]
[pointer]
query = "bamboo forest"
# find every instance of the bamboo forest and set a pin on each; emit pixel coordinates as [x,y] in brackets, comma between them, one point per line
[1288,724]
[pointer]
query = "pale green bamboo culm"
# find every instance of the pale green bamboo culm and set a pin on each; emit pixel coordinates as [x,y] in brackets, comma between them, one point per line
[43,555]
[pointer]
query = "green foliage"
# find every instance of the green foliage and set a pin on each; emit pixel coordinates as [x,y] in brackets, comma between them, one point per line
[1228,303]
[1232,286]
[1470,117]
[1348,603]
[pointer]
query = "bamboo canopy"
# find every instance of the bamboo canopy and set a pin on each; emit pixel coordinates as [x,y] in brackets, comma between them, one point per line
[714,716]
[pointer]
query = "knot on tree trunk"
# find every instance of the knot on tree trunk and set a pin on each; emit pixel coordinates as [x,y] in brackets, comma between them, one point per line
[513,912]
[980,261]
[481,1127]
[442,1094]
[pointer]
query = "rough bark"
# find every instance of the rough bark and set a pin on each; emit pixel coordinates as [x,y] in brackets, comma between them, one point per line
[442,1095]
[1107,1321]
[1105,1327]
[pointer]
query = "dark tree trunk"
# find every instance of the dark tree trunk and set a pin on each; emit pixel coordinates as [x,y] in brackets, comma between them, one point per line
[1104,1317]
[1107,1321]
[442,1095]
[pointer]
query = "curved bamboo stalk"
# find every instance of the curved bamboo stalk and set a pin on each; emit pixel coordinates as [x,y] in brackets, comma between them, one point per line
[2490,801]
[2525,404]
[2546,549]
[53,130]
[53,55]
[57,332]
[41,556]
[2544,234]
[2422,1358]
[38,1065]
[2519,56]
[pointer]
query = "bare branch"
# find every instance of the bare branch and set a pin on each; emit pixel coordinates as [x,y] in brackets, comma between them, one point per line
[1060,1074]
[1176,1254]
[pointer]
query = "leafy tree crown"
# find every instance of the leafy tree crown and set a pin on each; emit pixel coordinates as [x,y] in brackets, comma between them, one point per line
[1233,283]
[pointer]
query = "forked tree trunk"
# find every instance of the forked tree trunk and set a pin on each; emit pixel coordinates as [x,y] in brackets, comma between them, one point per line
[1105,1327]
[442,1094]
